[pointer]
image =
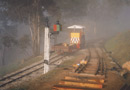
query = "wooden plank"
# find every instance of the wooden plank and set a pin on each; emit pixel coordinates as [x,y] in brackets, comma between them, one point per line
[92,66]
[85,79]
[80,84]
[66,87]
[86,75]
[88,69]
[94,81]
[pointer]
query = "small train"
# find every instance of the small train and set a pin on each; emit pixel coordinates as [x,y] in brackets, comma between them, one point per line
[77,40]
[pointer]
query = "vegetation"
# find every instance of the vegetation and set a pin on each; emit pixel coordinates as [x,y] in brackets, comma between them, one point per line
[32,13]
[7,42]
[120,46]
[23,43]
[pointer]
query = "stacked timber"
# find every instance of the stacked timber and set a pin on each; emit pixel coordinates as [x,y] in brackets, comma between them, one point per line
[80,82]
[126,65]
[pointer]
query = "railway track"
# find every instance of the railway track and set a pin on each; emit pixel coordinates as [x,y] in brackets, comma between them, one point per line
[15,76]
[88,76]
[95,63]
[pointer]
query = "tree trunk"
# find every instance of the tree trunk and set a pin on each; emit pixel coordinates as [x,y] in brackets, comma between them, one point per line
[35,34]
[38,35]
[34,22]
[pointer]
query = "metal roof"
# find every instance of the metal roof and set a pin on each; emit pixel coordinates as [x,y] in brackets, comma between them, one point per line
[76,27]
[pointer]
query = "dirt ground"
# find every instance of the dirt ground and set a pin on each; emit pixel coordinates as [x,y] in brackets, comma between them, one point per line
[46,81]
[113,79]
[53,77]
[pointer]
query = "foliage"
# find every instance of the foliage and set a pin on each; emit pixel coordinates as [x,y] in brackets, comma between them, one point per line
[25,9]
[24,42]
[8,41]
[31,13]
[12,67]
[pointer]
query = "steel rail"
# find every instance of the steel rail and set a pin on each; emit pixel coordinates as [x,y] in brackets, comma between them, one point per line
[25,72]
[82,67]
[86,76]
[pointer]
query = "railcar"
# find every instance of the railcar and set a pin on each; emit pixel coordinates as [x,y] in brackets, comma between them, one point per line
[77,40]
[64,48]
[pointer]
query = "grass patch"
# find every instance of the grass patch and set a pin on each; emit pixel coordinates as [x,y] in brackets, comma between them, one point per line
[46,81]
[17,65]
[119,45]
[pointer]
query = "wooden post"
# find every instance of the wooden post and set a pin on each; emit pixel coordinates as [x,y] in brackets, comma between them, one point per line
[46,50]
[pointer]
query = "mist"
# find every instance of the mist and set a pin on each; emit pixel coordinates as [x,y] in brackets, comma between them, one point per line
[101,18]
[107,17]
